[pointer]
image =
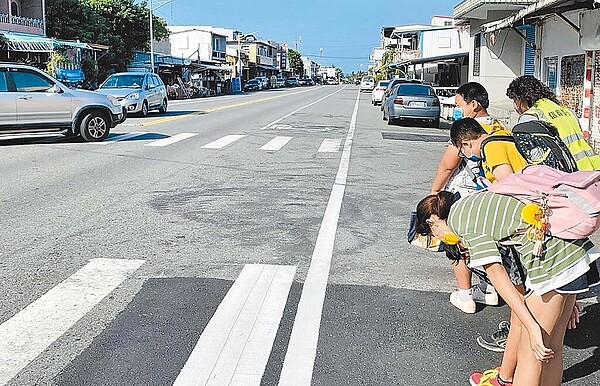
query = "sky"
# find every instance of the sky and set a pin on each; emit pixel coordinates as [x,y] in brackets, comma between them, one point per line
[345,30]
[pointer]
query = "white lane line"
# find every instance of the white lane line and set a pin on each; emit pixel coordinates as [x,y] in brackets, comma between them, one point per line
[299,109]
[276,143]
[120,137]
[330,146]
[34,328]
[171,140]
[224,141]
[235,345]
[302,349]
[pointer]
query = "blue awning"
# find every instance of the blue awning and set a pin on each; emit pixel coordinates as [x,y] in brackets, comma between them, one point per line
[270,68]
[70,76]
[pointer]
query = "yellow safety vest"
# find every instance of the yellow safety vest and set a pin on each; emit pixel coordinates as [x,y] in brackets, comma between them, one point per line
[569,130]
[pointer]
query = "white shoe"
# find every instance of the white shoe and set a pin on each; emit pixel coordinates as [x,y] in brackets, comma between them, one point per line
[466,306]
[488,298]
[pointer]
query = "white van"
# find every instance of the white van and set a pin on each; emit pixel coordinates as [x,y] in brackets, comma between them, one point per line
[367,83]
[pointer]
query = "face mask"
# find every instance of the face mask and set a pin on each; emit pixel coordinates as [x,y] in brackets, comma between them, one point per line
[457,114]
[473,157]
[450,238]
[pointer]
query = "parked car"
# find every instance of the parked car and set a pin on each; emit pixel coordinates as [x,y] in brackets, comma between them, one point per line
[138,92]
[264,82]
[32,101]
[280,82]
[332,81]
[377,94]
[367,83]
[392,84]
[292,81]
[253,85]
[412,101]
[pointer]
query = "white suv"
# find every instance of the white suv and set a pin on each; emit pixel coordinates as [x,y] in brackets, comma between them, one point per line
[32,101]
[367,83]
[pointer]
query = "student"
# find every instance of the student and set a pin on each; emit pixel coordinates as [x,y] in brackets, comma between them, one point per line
[567,267]
[456,174]
[535,101]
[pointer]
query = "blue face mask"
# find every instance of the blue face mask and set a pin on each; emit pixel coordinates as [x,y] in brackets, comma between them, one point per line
[474,158]
[457,114]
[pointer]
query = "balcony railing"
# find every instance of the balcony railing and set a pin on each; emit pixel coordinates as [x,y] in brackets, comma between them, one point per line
[20,20]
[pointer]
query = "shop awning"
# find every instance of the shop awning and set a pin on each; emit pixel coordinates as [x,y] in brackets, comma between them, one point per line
[441,58]
[70,76]
[539,8]
[26,42]
[269,68]
[214,67]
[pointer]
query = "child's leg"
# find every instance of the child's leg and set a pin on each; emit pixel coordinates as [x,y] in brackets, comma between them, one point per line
[509,358]
[548,310]
[462,274]
[552,371]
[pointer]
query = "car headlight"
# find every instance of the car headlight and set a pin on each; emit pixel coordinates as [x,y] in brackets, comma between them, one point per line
[133,95]
[114,101]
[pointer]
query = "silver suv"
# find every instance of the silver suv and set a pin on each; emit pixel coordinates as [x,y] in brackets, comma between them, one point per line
[138,92]
[32,101]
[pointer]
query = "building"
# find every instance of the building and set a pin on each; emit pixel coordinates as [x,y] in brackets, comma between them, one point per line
[311,68]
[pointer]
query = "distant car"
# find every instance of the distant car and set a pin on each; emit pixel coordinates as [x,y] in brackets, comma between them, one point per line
[393,83]
[280,82]
[367,83]
[377,94]
[412,101]
[32,101]
[264,82]
[253,85]
[332,81]
[138,92]
[292,81]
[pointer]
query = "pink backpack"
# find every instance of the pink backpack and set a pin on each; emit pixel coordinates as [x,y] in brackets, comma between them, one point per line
[573,199]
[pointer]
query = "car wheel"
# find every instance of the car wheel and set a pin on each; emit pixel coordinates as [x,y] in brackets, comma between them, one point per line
[144,111]
[391,121]
[163,107]
[436,123]
[94,127]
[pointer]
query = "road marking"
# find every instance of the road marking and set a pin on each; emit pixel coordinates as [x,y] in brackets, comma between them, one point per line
[222,142]
[299,109]
[330,146]
[121,137]
[276,143]
[171,140]
[235,345]
[33,329]
[302,349]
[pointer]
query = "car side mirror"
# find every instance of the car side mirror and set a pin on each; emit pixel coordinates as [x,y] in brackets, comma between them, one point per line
[56,89]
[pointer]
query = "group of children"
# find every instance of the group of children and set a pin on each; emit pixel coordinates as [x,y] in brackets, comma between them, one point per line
[483,233]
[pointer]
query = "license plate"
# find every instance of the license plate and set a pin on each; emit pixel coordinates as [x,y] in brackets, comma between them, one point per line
[418,104]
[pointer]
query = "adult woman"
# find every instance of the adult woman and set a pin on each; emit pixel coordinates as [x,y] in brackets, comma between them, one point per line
[566,268]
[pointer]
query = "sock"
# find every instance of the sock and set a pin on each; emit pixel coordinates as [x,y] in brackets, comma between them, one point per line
[465,294]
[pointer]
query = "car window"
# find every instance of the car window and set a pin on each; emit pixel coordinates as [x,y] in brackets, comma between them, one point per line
[414,89]
[124,81]
[3,85]
[157,80]
[383,84]
[27,81]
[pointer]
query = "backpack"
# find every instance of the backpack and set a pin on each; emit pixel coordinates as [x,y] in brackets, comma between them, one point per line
[540,144]
[572,199]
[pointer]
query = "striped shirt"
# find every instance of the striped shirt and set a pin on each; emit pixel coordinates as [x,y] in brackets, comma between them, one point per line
[482,219]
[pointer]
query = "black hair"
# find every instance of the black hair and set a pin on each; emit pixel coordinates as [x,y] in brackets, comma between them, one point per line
[474,91]
[465,129]
[530,90]
[438,204]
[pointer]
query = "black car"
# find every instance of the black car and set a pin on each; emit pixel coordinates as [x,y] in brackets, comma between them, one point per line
[252,85]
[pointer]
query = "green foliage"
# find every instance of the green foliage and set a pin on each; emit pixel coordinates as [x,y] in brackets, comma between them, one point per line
[56,58]
[295,62]
[120,24]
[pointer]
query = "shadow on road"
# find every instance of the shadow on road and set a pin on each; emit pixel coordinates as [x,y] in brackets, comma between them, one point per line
[586,335]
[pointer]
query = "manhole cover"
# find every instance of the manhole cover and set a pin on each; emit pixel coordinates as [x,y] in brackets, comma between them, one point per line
[414,137]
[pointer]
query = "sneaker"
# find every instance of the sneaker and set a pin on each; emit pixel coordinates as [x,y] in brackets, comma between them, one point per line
[488,298]
[497,341]
[487,378]
[467,306]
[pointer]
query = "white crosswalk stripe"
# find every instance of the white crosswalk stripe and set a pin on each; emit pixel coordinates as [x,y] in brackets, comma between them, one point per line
[121,137]
[276,143]
[171,140]
[235,345]
[330,146]
[33,329]
[224,141]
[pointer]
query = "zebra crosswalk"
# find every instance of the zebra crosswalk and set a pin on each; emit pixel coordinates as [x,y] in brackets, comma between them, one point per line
[277,143]
[233,348]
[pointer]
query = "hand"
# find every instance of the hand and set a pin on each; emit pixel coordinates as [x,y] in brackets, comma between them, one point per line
[540,351]
[574,319]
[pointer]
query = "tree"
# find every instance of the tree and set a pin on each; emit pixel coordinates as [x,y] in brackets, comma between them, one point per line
[295,62]
[120,24]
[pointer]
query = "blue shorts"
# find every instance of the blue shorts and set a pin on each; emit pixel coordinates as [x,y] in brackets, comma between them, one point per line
[582,283]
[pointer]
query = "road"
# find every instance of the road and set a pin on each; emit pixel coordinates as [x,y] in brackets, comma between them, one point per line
[246,239]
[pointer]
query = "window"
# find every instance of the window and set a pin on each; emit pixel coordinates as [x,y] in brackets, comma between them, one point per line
[550,72]
[529,64]
[3,85]
[157,80]
[14,8]
[414,89]
[26,81]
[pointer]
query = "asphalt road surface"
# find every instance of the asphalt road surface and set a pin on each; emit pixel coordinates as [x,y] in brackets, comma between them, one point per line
[253,239]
